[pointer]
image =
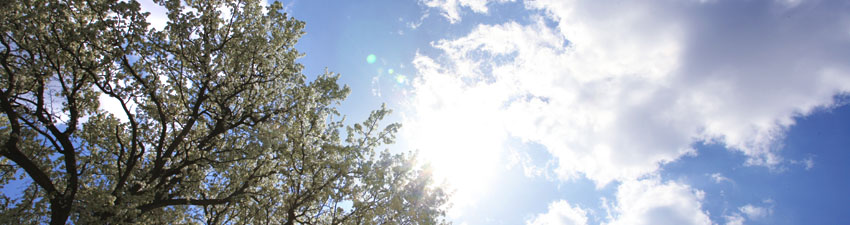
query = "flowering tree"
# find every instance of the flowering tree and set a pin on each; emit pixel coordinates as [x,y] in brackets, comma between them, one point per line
[215,123]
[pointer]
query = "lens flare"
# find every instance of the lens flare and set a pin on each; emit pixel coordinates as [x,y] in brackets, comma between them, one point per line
[390,71]
[371,58]
[400,79]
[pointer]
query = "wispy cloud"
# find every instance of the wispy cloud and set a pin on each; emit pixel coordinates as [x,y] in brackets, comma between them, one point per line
[751,212]
[757,212]
[451,9]
[719,178]
[808,163]
[413,25]
[734,219]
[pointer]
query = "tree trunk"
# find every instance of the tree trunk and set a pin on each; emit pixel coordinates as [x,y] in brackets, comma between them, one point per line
[60,210]
[290,219]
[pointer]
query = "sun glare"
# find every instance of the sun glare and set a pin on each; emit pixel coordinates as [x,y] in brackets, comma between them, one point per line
[461,141]
[464,158]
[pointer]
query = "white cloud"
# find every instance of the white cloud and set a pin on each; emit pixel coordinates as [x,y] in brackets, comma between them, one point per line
[649,201]
[755,212]
[751,212]
[521,158]
[560,213]
[617,89]
[719,178]
[451,9]
[734,219]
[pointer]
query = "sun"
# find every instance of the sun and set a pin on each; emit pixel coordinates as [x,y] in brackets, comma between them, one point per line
[461,145]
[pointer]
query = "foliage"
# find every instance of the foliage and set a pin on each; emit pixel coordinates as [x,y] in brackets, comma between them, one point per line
[216,124]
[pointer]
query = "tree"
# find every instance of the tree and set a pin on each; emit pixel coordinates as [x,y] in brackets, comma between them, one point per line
[217,124]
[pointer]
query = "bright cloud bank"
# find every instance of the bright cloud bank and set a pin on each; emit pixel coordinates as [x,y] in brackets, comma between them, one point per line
[615,89]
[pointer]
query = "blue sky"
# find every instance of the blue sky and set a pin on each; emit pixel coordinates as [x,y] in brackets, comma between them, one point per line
[606,111]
